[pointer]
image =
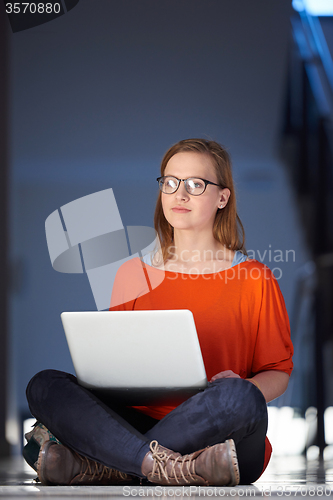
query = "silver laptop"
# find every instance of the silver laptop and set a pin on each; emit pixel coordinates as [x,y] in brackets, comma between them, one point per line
[138,356]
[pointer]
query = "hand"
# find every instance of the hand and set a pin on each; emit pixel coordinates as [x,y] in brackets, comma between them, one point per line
[225,374]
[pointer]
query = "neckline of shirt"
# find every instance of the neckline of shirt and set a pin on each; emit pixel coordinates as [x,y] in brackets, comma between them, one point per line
[239,258]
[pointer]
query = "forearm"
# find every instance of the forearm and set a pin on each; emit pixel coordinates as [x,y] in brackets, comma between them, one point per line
[272,383]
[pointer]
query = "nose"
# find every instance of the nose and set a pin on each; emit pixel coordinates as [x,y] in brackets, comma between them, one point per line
[181,192]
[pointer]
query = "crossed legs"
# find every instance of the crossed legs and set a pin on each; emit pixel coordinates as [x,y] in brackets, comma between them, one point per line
[119,437]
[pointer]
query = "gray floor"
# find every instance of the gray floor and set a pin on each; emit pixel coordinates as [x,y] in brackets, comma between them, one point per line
[285,476]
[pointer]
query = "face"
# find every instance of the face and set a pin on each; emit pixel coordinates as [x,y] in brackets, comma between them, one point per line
[185,211]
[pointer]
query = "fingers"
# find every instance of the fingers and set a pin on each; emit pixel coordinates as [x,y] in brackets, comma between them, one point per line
[224,374]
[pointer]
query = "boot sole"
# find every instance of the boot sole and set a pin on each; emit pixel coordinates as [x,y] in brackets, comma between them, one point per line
[234,469]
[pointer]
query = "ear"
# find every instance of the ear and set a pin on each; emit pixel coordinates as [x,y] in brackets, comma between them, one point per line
[224,198]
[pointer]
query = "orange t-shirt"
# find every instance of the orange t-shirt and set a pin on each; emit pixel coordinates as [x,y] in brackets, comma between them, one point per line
[239,313]
[240,316]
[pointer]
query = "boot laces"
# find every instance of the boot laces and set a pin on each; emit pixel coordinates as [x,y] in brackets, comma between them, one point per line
[161,460]
[97,471]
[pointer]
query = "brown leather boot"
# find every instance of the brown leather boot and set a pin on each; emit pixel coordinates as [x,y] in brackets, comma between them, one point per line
[58,465]
[216,465]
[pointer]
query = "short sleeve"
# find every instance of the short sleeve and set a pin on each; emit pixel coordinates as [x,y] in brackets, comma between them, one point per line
[273,348]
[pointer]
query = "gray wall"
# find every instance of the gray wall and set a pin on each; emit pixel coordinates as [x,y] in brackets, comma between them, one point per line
[101,92]
[97,96]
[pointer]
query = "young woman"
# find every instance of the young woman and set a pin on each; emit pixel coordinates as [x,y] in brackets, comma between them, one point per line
[217,437]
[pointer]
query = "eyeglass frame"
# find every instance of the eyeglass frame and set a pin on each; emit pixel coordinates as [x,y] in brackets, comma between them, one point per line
[184,181]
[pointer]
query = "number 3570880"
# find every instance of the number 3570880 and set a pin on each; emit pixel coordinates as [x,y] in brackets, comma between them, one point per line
[32,8]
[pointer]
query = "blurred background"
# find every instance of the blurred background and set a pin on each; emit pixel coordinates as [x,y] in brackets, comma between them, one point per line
[92,99]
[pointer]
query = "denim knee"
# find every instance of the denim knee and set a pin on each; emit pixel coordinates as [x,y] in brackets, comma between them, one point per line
[257,400]
[242,395]
[39,386]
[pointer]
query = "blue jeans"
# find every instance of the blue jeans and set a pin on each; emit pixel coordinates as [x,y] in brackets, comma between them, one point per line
[118,436]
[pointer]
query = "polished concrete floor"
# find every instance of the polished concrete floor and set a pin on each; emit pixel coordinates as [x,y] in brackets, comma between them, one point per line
[290,476]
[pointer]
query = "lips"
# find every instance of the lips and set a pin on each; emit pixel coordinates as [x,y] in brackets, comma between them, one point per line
[180,210]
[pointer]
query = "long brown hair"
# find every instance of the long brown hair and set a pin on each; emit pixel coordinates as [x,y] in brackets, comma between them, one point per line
[228,228]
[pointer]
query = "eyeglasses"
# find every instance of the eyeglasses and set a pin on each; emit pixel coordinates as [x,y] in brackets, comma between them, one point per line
[193,185]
